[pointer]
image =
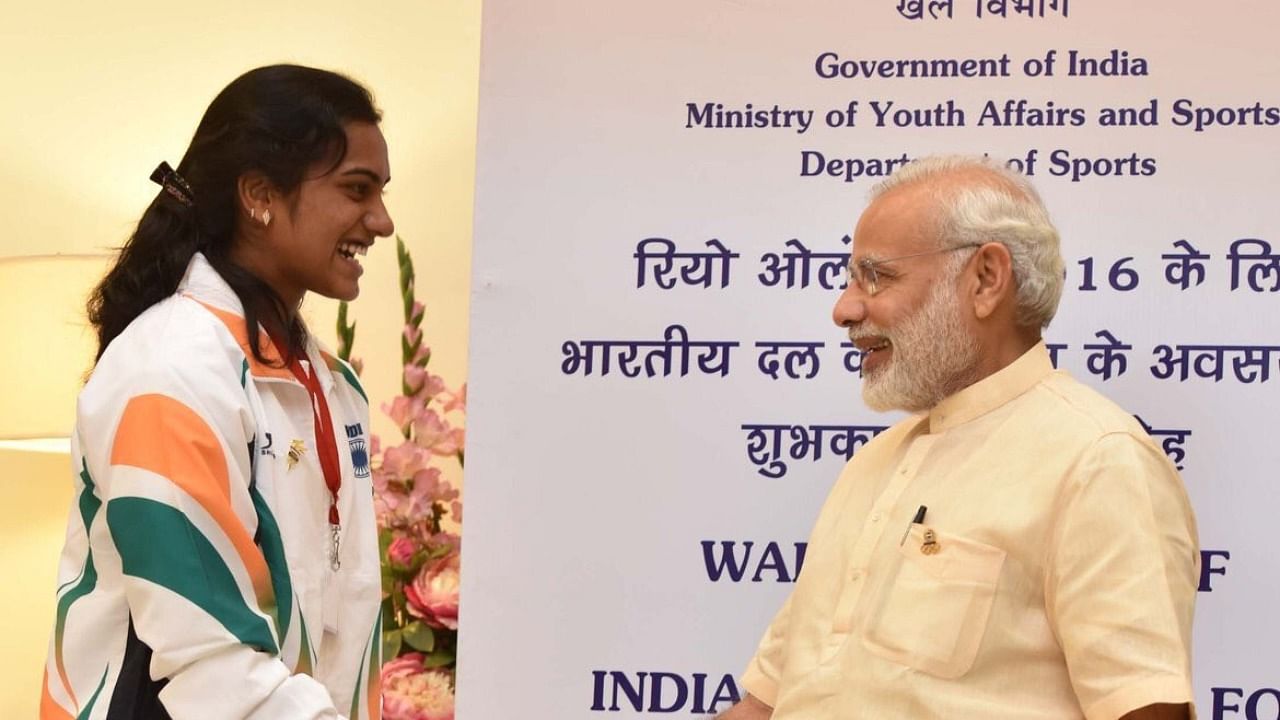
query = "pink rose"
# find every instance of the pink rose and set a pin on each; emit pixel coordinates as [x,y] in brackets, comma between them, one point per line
[433,594]
[401,551]
[411,692]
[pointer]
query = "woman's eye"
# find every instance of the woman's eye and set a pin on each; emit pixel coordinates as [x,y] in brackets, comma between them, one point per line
[359,189]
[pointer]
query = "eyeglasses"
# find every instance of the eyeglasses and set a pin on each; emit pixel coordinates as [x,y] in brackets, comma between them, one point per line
[866,273]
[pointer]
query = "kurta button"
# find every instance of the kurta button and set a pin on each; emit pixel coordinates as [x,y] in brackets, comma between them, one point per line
[876,517]
[855,575]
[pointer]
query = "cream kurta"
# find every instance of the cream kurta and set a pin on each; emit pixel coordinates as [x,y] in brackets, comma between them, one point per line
[1064,579]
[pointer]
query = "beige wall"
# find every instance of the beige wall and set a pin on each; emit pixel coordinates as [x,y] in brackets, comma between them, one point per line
[98,94]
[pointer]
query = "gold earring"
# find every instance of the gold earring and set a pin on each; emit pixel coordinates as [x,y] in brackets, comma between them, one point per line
[252,215]
[266,218]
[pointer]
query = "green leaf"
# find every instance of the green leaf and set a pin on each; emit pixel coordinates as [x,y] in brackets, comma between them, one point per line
[439,551]
[440,658]
[418,635]
[346,333]
[389,580]
[392,641]
[389,615]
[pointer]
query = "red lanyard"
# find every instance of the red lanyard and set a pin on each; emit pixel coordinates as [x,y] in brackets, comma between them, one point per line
[326,446]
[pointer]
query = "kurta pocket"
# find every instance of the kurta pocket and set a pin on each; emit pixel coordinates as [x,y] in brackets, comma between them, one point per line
[933,613]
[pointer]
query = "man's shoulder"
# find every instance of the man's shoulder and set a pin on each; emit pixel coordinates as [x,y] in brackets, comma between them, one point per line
[1083,410]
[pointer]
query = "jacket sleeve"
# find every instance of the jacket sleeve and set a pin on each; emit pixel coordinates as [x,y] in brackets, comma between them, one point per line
[176,479]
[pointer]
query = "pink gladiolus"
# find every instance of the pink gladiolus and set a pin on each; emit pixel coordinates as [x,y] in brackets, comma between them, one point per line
[388,496]
[424,383]
[412,334]
[405,460]
[401,551]
[422,356]
[433,594]
[428,484]
[456,509]
[430,431]
[423,493]
[405,410]
[457,401]
[411,692]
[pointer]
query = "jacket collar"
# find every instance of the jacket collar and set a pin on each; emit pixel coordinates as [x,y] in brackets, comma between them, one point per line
[203,284]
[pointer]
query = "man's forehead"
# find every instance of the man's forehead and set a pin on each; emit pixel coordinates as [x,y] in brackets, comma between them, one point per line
[896,223]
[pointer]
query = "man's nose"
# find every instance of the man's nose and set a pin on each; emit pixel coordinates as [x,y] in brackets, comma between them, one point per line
[851,307]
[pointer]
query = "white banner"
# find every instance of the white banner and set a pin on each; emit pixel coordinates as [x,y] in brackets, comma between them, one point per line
[659,399]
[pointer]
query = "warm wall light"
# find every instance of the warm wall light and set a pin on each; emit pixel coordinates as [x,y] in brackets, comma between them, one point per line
[48,346]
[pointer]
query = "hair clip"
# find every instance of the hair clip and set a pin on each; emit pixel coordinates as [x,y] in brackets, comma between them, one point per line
[173,183]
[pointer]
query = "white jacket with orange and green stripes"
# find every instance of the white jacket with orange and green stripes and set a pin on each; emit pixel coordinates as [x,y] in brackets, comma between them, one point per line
[195,581]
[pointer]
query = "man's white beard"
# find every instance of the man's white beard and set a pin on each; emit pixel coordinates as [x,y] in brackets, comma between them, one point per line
[933,356]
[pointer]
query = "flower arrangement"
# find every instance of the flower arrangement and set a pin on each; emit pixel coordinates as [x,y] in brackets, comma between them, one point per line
[420,556]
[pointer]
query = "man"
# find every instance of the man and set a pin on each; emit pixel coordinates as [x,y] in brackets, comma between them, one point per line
[1019,548]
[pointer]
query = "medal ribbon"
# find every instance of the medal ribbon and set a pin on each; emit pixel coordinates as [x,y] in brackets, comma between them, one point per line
[326,446]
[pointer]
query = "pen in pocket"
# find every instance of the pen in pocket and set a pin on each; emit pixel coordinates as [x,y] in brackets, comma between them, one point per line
[918,519]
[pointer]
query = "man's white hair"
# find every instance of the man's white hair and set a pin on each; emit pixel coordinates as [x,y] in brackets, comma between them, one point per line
[979,200]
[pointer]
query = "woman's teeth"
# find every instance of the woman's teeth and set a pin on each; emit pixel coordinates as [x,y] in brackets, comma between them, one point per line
[349,250]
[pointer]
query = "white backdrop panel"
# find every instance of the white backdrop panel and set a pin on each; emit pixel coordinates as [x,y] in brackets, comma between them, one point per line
[591,498]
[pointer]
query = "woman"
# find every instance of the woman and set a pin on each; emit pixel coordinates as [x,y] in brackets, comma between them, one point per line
[221,557]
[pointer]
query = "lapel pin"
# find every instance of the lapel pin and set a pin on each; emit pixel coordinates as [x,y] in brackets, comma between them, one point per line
[296,449]
[930,545]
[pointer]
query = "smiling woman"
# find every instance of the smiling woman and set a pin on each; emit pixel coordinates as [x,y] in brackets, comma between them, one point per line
[221,550]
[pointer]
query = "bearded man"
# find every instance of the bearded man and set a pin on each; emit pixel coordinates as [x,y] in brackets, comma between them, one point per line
[1018,548]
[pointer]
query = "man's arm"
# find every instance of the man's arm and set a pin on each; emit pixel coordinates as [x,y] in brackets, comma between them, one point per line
[752,709]
[1160,711]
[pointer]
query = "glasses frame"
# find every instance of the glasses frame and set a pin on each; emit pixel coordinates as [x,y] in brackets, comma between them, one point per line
[866,275]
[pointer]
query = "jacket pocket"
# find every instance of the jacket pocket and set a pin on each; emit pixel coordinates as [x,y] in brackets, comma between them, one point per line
[932,614]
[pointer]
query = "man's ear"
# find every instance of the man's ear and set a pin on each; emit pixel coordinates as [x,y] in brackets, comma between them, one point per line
[992,266]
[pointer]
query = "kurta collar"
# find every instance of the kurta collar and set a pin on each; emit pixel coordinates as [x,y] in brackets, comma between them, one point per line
[993,391]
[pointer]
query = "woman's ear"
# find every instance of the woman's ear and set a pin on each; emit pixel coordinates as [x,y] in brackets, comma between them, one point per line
[254,193]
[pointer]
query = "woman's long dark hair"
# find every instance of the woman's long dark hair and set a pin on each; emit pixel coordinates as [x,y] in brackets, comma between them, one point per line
[279,120]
